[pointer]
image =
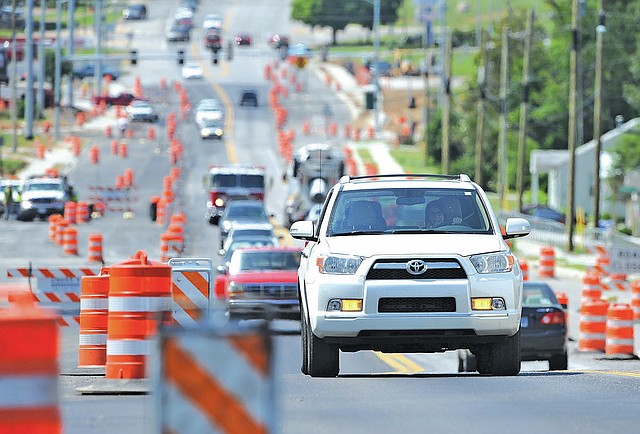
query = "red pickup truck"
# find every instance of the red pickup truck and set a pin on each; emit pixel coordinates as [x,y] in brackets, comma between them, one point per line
[122,99]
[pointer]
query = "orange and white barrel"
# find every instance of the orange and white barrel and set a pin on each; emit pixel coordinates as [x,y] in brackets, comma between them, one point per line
[94,311]
[53,226]
[593,324]
[547,262]
[564,300]
[139,300]
[95,248]
[82,215]
[29,338]
[70,211]
[591,288]
[70,241]
[619,332]
[60,227]
[635,300]
[524,266]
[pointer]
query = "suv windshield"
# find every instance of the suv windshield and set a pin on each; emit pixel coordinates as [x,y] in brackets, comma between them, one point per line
[232,180]
[44,186]
[416,210]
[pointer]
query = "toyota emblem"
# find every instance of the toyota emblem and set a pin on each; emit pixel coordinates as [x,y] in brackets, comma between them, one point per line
[416,266]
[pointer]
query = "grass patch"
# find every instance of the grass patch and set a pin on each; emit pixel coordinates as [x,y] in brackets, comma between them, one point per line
[412,160]
[365,155]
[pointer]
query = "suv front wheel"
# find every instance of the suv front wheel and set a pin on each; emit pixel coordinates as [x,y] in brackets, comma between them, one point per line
[501,358]
[321,359]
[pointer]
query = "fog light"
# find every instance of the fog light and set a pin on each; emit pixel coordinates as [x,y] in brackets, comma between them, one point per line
[335,305]
[351,305]
[497,304]
[344,305]
[488,303]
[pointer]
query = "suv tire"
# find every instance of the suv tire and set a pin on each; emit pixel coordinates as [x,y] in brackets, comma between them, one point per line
[501,358]
[323,359]
[304,332]
[559,362]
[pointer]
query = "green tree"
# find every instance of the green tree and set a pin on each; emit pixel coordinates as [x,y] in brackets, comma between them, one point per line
[337,14]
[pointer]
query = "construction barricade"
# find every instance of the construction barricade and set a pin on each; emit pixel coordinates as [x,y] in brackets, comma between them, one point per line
[139,300]
[547,262]
[635,300]
[28,369]
[593,324]
[215,380]
[619,331]
[191,289]
[56,289]
[94,312]
[524,266]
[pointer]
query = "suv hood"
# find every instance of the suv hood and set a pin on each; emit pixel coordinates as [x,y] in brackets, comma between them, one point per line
[412,244]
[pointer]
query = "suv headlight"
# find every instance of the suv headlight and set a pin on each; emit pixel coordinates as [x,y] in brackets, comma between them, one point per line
[338,264]
[493,263]
[26,204]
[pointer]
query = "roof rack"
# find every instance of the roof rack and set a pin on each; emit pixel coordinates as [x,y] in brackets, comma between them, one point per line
[461,177]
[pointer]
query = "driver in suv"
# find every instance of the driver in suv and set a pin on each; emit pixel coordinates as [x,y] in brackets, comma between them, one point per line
[375,275]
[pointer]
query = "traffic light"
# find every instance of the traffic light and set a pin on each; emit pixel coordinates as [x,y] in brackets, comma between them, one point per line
[370,97]
[4,78]
[134,57]
[180,57]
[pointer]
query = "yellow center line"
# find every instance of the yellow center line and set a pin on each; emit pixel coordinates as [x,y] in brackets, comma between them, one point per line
[399,362]
[226,101]
[618,373]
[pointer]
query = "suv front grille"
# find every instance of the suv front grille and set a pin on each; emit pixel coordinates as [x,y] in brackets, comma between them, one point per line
[396,269]
[417,304]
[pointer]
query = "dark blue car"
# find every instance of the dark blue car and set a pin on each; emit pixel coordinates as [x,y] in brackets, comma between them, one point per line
[88,70]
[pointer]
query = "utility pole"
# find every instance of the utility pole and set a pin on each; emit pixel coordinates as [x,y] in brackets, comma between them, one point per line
[575,32]
[446,104]
[482,80]
[502,134]
[71,22]
[522,135]
[57,71]
[98,66]
[14,85]
[28,96]
[41,63]
[597,107]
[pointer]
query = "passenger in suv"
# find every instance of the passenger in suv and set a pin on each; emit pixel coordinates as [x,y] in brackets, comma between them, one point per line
[375,275]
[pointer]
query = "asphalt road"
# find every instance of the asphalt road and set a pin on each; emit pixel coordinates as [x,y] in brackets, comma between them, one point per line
[374,392]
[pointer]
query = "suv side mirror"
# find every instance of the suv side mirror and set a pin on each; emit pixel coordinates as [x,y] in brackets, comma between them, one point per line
[516,228]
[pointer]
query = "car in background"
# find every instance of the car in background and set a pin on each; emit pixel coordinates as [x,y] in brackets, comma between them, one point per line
[42,197]
[261,282]
[384,68]
[141,111]
[211,129]
[122,99]
[192,70]
[208,108]
[213,39]
[544,212]
[543,326]
[249,97]
[241,211]
[178,33]
[136,11]
[252,230]
[212,21]
[278,40]
[88,70]
[241,242]
[243,38]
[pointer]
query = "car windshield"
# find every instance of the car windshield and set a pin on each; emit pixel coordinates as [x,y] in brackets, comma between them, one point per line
[414,210]
[246,211]
[232,180]
[251,232]
[250,242]
[43,186]
[265,260]
[538,295]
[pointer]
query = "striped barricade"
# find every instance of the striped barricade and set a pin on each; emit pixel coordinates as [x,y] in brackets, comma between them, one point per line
[215,380]
[57,288]
[191,288]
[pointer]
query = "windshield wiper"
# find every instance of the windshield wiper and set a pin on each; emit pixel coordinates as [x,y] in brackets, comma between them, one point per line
[368,232]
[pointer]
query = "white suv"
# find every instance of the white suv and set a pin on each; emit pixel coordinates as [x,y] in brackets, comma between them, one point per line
[380,272]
